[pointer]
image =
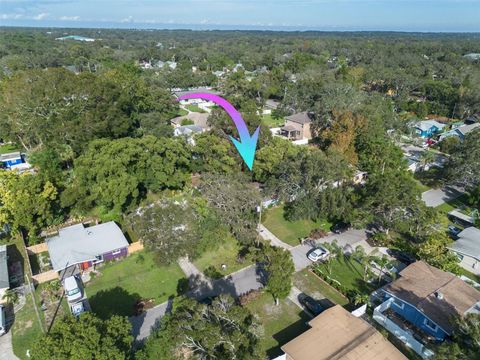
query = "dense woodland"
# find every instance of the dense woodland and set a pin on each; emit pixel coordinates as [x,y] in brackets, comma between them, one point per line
[96,128]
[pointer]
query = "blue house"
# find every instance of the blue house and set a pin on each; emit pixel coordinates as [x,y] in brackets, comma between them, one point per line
[11,159]
[428,128]
[428,300]
[461,132]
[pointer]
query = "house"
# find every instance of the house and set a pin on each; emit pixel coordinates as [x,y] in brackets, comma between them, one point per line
[207,90]
[188,132]
[337,334]
[461,132]
[4,277]
[428,128]
[297,126]
[467,248]
[421,305]
[269,106]
[459,217]
[11,159]
[192,118]
[82,247]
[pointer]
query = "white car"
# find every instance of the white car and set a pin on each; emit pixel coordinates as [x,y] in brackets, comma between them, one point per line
[318,254]
[73,289]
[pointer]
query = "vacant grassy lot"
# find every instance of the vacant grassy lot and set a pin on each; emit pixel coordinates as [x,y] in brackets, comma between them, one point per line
[347,272]
[281,323]
[291,231]
[316,288]
[122,283]
[226,253]
[269,121]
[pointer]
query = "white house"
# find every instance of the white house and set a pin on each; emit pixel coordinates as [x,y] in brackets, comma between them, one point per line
[467,248]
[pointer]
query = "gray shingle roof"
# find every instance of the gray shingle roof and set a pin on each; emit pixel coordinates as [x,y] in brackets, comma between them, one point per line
[300,118]
[468,243]
[4,282]
[76,244]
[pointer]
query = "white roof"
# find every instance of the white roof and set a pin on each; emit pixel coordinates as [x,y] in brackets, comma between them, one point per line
[76,244]
[456,213]
[468,243]
[465,129]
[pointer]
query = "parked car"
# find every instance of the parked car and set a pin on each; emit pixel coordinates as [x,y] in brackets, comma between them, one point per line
[3,325]
[340,227]
[73,289]
[453,230]
[310,304]
[318,254]
[402,256]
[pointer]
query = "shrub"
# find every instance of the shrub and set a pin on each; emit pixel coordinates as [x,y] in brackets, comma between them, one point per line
[316,234]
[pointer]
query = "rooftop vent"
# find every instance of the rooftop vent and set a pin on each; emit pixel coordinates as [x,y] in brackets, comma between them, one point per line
[439,295]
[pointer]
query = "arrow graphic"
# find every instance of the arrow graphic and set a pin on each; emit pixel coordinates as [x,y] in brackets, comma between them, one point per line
[247,144]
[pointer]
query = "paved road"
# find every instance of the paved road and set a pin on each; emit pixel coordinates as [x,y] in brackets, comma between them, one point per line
[436,197]
[6,350]
[238,283]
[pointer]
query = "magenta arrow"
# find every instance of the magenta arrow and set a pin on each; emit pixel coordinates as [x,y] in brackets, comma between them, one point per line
[247,144]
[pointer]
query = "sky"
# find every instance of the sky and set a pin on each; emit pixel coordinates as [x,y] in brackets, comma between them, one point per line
[341,15]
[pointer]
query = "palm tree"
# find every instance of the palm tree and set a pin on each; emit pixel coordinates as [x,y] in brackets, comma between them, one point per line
[382,262]
[10,296]
[361,299]
[426,158]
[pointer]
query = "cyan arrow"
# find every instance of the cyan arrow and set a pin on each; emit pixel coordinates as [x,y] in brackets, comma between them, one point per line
[247,144]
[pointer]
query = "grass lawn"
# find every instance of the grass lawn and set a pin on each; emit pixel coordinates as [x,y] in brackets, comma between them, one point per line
[122,283]
[226,253]
[181,112]
[349,273]
[291,231]
[8,148]
[470,275]
[316,288]
[194,108]
[25,330]
[458,203]
[281,323]
[269,121]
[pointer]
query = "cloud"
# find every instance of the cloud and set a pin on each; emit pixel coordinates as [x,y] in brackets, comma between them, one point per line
[10,16]
[40,16]
[127,19]
[69,18]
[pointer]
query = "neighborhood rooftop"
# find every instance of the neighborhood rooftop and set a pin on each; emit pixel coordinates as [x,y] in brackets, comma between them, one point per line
[10,156]
[337,334]
[468,243]
[427,124]
[300,118]
[76,244]
[438,294]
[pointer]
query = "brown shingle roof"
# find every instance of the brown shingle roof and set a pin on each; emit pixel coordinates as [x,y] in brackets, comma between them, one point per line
[439,295]
[337,334]
[301,118]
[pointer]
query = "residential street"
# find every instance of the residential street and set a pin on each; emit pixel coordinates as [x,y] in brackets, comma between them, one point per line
[436,197]
[240,282]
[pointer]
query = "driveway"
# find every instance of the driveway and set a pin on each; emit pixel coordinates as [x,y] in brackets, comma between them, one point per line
[436,197]
[6,350]
[350,237]
[238,283]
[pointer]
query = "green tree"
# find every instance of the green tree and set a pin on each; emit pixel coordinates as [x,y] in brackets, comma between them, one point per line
[279,267]
[28,202]
[87,337]
[116,173]
[220,331]
[435,252]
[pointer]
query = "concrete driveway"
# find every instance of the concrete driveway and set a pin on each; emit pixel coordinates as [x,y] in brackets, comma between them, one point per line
[437,197]
[350,237]
[6,349]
